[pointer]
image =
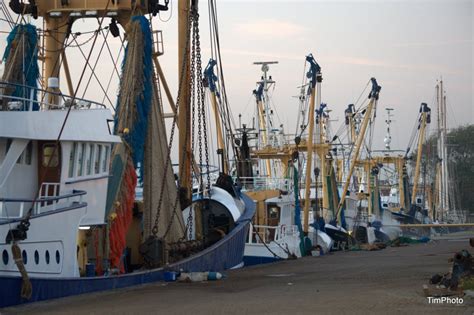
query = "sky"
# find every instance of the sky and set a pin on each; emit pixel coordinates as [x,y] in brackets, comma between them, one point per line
[406,45]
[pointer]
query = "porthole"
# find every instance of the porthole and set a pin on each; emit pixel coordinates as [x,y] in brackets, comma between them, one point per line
[24,255]
[37,257]
[46,256]
[5,257]
[58,257]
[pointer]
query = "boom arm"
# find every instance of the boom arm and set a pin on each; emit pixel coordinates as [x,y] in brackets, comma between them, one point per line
[424,120]
[373,96]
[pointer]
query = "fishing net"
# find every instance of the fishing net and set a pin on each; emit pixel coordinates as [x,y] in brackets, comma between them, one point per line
[139,119]
[170,223]
[21,64]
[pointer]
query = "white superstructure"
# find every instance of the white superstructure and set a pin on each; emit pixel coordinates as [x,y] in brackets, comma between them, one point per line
[65,186]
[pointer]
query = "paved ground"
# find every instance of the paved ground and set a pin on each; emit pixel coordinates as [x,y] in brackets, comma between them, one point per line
[387,281]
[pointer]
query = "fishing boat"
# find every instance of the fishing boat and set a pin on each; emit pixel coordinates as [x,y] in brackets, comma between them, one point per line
[358,171]
[271,172]
[274,234]
[432,197]
[69,219]
[442,201]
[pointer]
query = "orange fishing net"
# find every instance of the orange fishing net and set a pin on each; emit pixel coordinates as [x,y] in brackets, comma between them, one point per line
[123,218]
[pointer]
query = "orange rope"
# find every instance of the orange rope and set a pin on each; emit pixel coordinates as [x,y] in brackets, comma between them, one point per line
[124,212]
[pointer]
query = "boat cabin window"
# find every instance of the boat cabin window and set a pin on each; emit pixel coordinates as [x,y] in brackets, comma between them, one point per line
[28,153]
[105,161]
[98,159]
[274,212]
[72,157]
[50,155]
[80,160]
[88,159]
[273,218]
[26,156]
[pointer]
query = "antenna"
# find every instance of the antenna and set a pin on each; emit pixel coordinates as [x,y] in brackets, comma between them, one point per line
[265,69]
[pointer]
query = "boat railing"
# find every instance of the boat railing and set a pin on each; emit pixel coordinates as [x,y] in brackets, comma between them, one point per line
[264,183]
[17,97]
[41,204]
[47,190]
[259,234]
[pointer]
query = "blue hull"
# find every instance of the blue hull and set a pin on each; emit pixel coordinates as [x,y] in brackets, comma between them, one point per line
[223,255]
[257,260]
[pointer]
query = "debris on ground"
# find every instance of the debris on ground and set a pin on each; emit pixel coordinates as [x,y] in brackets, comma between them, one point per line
[404,241]
[437,291]
[459,278]
[369,247]
[199,276]
[374,246]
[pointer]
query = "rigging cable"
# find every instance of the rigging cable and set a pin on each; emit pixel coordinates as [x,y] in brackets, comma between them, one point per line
[229,122]
[115,62]
[95,64]
[93,72]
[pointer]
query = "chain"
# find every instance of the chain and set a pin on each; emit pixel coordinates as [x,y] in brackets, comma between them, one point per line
[193,109]
[191,85]
[197,96]
[189,224]
[194,68]
[202,111]
[196,42]
[173,128]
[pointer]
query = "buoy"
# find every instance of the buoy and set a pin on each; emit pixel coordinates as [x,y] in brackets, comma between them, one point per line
[199,276]
[214,275]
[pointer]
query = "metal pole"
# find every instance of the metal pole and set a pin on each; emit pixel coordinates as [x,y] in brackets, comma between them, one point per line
[421,139]
[184,118]
[309,161]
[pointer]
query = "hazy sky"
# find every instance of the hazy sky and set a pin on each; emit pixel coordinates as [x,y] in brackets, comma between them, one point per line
[406,45]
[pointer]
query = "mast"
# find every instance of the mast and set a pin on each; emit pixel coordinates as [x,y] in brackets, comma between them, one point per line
[267,81]
[322,125]
[184,117]
[54,44]
[425,119]
[442,152]
[444,148]
[388,136]
[350,123]
[261,122]
[264,105]
[315,75]
[373,96]
[439,144]
[211,83]
[401,169]
[349,120]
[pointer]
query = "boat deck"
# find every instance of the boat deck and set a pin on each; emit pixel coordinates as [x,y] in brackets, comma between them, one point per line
[388,281]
